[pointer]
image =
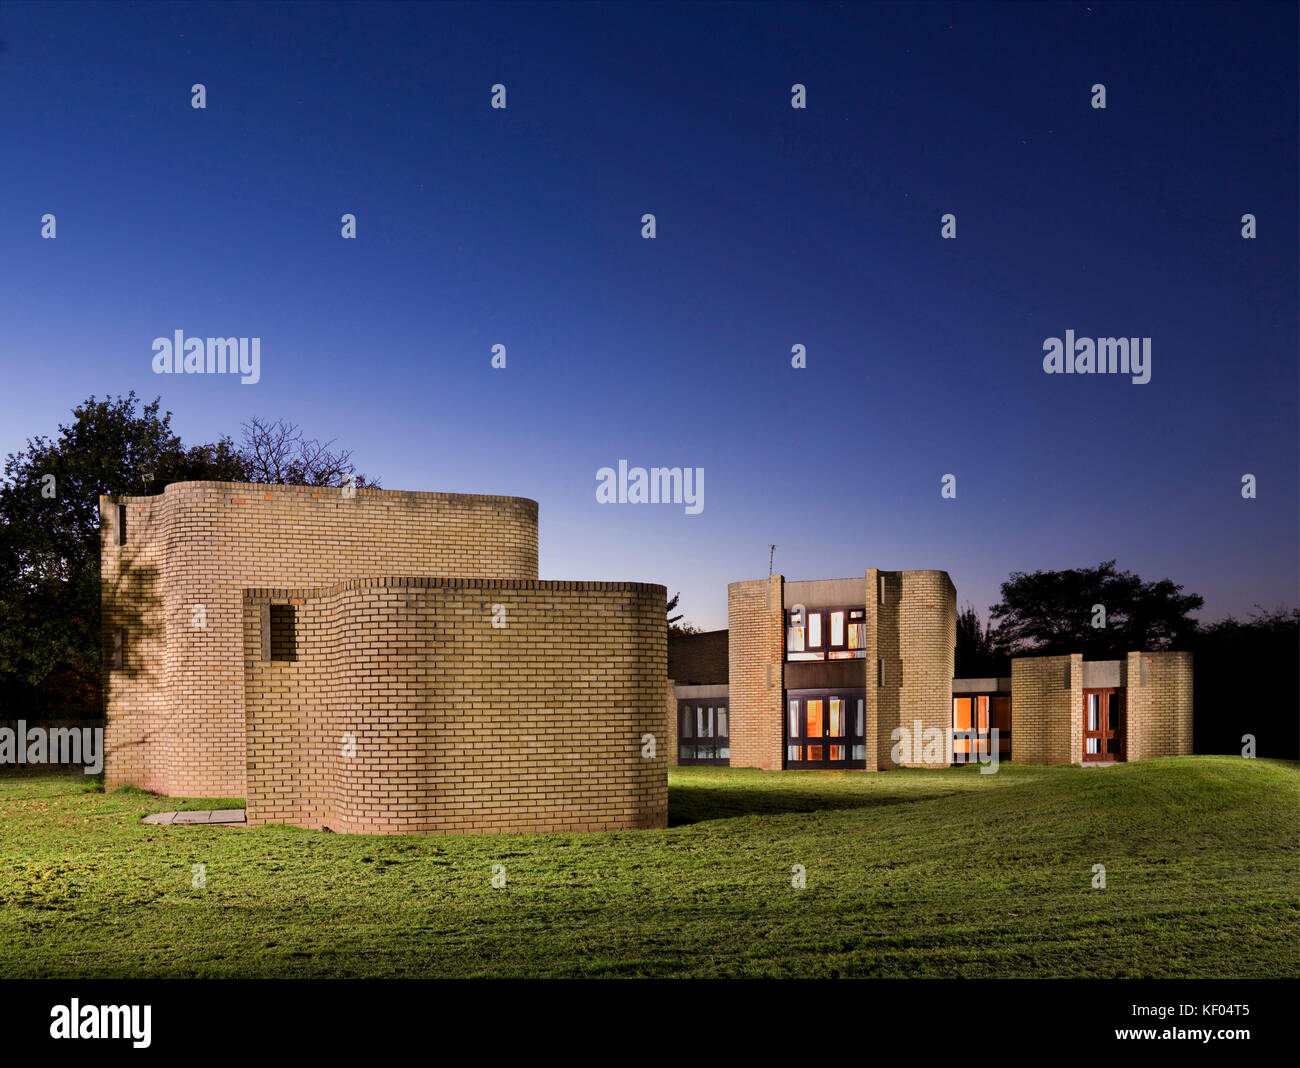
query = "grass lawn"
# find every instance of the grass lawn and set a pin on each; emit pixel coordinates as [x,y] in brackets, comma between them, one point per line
[909,873]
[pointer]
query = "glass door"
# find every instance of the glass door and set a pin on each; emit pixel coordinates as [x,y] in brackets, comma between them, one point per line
[1103,726]
[702,734]
[824,729]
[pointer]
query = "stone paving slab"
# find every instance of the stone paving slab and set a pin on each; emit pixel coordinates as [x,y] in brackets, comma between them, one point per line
[225,816]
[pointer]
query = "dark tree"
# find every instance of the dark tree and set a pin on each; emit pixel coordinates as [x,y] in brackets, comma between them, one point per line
[1053,612]
[975,656]
[1246,684]
[49,531]
[49,542]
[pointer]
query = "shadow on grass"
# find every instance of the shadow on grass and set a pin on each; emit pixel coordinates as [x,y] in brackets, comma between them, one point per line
[699,804]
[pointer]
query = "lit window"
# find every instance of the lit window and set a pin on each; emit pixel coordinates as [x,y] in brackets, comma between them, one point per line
[822,732]
[794,639]
[827,634]
[961,707]
[814,715]
[857,630]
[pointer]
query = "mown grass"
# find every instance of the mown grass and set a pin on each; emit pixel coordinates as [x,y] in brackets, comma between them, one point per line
[909,873]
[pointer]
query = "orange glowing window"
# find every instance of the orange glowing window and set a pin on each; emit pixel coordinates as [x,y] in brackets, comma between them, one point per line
[814,721]
[982,703]
[837,720]
[814,752]
[837,628]
[961,707]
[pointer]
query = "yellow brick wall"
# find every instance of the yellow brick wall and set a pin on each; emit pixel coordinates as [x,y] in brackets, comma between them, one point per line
[1159,703]
[920,648]
[460,726]
[174,711]
[1047,709]
[756,656]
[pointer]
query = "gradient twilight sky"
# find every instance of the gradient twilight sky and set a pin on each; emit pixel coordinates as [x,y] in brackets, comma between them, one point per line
[776,227]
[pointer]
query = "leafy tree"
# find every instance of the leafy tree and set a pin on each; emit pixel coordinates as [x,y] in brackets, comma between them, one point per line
[49,541]
[1053,612]
[49,531]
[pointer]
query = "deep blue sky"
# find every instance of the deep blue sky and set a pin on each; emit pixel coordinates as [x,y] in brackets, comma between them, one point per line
[775,227]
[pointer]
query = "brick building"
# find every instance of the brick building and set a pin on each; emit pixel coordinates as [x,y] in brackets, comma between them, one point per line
[375,661]
[858,673]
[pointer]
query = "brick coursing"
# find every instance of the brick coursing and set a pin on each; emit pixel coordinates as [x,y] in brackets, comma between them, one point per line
[1159,704]
[1047,709]
[407,711]
[695,659]
[460,726]
[756,653]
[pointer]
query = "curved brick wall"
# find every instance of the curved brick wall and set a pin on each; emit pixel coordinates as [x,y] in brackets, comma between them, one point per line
[927,637]
[408,711]
[175,706]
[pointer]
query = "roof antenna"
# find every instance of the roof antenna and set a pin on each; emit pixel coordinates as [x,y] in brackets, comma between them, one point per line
[771,554]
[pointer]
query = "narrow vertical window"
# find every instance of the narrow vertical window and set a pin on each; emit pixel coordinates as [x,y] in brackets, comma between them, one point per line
[858,632]
[284,639]
[121,524]
[813,717]
[794,639]
[837,717]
